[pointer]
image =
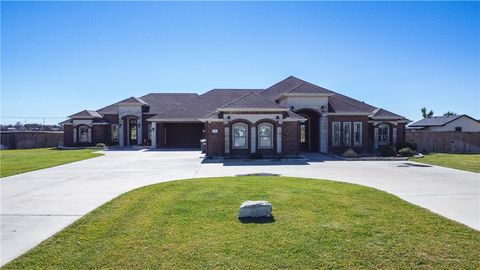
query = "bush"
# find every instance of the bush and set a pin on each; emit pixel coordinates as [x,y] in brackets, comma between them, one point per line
[406,152]
[412,146]
[350,153]
[388,151]
[100,145]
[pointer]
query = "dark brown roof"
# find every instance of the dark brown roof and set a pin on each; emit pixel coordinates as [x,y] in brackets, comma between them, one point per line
[133,100]
[384,113]
[203,105]
[159,102]
[252,101]
[86,114]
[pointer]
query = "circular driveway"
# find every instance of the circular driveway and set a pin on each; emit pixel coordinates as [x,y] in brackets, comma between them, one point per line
[36,205]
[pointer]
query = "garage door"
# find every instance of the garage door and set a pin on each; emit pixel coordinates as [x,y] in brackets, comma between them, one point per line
[184,134]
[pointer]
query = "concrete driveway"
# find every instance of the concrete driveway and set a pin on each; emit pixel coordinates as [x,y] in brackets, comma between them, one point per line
[36,205]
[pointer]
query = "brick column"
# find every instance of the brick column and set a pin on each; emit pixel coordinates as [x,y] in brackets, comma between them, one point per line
[121,124]
[139,131]
[375,138]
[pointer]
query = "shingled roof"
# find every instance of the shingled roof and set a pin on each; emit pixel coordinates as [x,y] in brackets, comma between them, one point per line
[292,85]
[203,105]
[252,101]
[158,102]
[85,114]
[437,120]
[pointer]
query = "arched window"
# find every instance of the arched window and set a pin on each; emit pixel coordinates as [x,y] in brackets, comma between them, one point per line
[83,134]
[265,136]
[383,134]
[240,133]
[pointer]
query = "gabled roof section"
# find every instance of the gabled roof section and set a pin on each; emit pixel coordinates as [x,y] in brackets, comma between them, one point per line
[159,102]
[86,114]
[252,101]
[293,85]
[437,120]
[202,105]
[133,100]
[382,113]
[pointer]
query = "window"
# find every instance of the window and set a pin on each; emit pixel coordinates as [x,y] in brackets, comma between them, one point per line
[357,133]
[302,133]
[458,128]
[347,130]
[115,133]
[336,133]
[265,136]
[240,136]
[383,134]
[83,134]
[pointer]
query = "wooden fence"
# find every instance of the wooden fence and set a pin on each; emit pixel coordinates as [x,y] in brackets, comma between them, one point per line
[30,139]
[445,141]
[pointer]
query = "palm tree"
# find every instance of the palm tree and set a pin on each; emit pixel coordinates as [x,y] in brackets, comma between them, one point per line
[426,114]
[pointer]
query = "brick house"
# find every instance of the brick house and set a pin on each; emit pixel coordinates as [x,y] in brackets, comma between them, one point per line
[287,118]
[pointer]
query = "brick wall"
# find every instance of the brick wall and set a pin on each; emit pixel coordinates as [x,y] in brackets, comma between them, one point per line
[215,141]
[290,139]
[367,133]
[68,135]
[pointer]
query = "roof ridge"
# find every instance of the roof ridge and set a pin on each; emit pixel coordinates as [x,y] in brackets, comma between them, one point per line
[295,87]
[249,93]
[352,103]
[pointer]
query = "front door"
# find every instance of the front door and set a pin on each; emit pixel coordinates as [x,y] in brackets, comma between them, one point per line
[132,132]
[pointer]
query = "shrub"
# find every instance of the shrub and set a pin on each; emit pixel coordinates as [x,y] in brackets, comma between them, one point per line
[406,152]
[100,145]
[412,146]
[350,153]
[388,151]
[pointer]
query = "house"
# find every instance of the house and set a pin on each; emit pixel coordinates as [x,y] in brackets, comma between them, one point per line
[460,123]
[284,119]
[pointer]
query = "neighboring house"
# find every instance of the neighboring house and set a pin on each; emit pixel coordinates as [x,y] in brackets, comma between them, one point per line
[282,120]
[460,123]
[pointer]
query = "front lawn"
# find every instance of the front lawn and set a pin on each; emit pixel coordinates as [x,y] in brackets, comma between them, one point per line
[192,224]
[26,160]
[466,162]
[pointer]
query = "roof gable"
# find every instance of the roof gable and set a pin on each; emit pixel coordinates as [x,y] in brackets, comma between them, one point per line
[85,114]
[252,101]
[133,100]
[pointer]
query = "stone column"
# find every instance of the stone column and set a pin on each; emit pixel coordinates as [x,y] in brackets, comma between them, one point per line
[139,131]
[74,135]
[89,134]
[227,140]
[253,140]
[153,135]
[324,133]
[279,139]
[394,136]
[121,124]
[375,138]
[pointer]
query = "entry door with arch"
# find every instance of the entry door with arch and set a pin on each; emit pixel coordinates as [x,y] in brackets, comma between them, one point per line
[309,131]
[132,131]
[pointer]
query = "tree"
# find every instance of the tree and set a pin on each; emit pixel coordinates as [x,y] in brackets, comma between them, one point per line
[449,113]
[426,114]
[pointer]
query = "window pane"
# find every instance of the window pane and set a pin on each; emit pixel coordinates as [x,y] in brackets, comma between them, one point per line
[357,133]
[302,133]
[336,133]
[265,136]
[346,133]
[239,136]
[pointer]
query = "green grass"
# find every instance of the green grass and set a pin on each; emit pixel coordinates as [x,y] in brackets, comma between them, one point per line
[466,162]
[192,224]
[26,160]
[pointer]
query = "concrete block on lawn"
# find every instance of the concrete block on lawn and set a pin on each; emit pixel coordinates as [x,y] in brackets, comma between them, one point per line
[255,209]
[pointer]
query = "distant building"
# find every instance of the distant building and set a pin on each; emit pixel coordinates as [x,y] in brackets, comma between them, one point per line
[459,123]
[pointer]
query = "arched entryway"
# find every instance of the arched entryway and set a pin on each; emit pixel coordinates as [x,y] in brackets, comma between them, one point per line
[309,131]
